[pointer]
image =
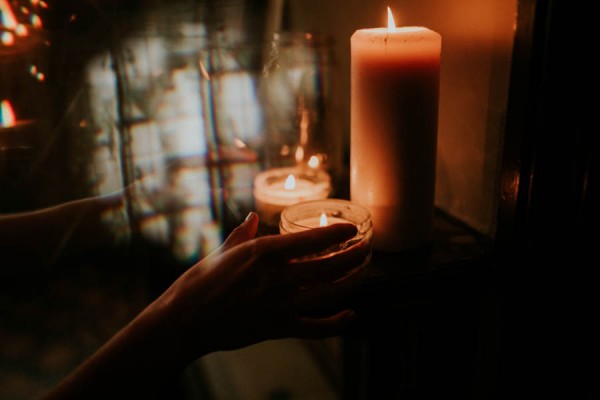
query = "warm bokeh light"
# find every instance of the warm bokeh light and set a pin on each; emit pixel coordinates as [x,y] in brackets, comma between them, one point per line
[7,38]
[8,19]
[285,150]
[7,115]
[304,124]
[21,30]
[36,21]
[313,162]
[11,28]
[299,155]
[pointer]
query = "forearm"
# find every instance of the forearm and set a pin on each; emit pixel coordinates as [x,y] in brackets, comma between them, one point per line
[39,237]
[148,353]
[88,222]
[248,291]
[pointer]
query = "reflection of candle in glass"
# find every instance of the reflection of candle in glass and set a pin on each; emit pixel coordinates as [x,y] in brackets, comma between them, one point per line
[318,213]
[10,25]
[7,115]
[13,132]
[394,115]
[16,159]
[16,35]
[277,188]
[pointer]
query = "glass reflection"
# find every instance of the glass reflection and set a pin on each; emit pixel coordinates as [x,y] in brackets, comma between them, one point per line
[178,122]
[177,116]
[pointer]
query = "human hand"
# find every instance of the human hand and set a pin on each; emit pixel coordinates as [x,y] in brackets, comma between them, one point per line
[254,289]
[249,290]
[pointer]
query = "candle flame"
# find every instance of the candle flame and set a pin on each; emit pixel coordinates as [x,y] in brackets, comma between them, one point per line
[290,182]
[313,162]
[323,220]
[391,23]
[7,115]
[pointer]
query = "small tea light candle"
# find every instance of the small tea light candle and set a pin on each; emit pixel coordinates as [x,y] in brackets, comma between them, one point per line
[277,188]
[317,213]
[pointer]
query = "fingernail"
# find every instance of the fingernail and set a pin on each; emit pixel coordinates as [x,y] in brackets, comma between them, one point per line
[250,215]
[350,316]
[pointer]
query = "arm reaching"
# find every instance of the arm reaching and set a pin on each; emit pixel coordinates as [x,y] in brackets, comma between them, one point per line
[37,238]
[249,290]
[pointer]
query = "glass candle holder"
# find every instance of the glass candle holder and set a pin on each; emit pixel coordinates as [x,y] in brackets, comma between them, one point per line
[277,188]
[301,112]
[317,213]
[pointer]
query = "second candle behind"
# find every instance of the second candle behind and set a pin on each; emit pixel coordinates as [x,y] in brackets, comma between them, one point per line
[394,121]
[277,188]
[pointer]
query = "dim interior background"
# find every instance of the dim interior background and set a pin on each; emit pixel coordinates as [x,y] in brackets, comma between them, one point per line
[185,106]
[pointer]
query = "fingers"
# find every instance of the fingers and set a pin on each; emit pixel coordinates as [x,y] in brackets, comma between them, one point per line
[329,267]
[244,232]
[308,242]
[319,328]
[329,294]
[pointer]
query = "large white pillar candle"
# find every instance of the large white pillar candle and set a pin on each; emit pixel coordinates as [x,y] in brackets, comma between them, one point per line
[395,75]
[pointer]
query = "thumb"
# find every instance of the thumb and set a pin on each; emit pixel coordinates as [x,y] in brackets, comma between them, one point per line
[244,232]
